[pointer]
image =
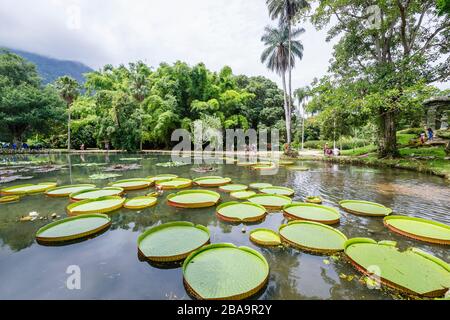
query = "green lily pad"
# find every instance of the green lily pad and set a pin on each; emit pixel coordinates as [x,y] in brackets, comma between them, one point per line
[162,177]
[100,205]
[175,183]
[172,241]
[25,189]
[224,271]
[73,228]
[270,201]
[65,191]
[264,166]
[193,199]
[95,193]
[233,188]
[104,176]
[139,203]
[241,212]
[242,195]
[9,199]
[296,168]
[265,237]
[312,212]
[130,159]
[313,237]
[286,162]
[212,181]
[313,199]
[365,208]
[412,271]
[132,184]
[282,191]
[246,164]
[260,185]
[420,229]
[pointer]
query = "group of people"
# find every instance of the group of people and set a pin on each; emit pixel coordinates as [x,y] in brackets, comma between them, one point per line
[327,151]
[429,133]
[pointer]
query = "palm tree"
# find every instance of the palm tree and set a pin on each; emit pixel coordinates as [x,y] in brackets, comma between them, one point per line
[286,11]
[302,94]
[68,89]
[275,56]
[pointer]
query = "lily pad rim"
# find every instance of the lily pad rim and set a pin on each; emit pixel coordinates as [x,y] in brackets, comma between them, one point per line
[69,186]
[250,219]
[389,211]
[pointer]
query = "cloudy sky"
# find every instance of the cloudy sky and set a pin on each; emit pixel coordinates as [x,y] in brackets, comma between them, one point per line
[97,32]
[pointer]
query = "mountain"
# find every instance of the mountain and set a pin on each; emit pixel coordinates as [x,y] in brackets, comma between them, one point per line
[50,69]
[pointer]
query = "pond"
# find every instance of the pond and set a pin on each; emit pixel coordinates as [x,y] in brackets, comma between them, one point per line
[109,264]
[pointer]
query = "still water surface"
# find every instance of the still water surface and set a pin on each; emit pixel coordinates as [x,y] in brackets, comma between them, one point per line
[109,264]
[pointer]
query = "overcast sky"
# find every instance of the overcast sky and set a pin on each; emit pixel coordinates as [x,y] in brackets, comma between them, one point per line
[97,32]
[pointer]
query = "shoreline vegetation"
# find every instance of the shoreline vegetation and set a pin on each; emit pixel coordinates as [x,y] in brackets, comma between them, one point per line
[437,164]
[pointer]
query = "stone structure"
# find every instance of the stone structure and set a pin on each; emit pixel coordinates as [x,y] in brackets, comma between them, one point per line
[437,111]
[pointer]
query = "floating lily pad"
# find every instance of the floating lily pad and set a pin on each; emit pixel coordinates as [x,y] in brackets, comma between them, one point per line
[100,205]
[282,191]
[412,271]
[246,164]
[264,166]
[312,212]
[295,168]
[265,237]
[171,164]
[95,193]
[365,208]
[313,237]
[104,176]
[87,165]
[313,199]
[224,271]
[270,201]
[132,184]
[212,181]
[130,159]
[175,183]
[172,241]
[139,203]
[241,212]
[73,228]
[162,177]
[9,199]
[65,191]
[123,167]
[193,199]
[24,189]
[242,195]
[233,187]
[286,162]
[420,229]
[260,185]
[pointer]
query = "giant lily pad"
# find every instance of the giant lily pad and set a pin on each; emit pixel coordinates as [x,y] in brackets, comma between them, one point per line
[73,228]
[172,241]
[242,195]
[162,177]
[139,203]
[260,185]
[9,199]
[412,271]
[224,271]
[246,163]
[313,237]
[193,199]
[241,212]
[24,189]
[264,166]
[282,191]
[65,191]
[365,208]
[312,212]
[286,162]
[270,201]
[420,229]
[175,183]
[212,181]
[233,187]
[132,184]
[265,237]
[95,193]
[100,205]
[104,176]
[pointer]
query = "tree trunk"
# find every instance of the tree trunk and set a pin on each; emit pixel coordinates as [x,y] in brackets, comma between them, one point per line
[388,134]
[290,82]
[286,112]
[68,129]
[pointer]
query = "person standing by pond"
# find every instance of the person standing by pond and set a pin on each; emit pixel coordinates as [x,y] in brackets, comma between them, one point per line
[430,134]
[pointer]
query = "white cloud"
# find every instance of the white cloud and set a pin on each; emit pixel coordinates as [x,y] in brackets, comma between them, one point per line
[216,32]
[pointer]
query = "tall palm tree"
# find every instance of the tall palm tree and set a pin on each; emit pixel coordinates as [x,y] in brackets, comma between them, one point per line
[68,89]
[302,94]
[286,11]
[275,56]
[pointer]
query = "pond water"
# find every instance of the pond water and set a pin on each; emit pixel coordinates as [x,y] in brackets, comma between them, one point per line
[109,264]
